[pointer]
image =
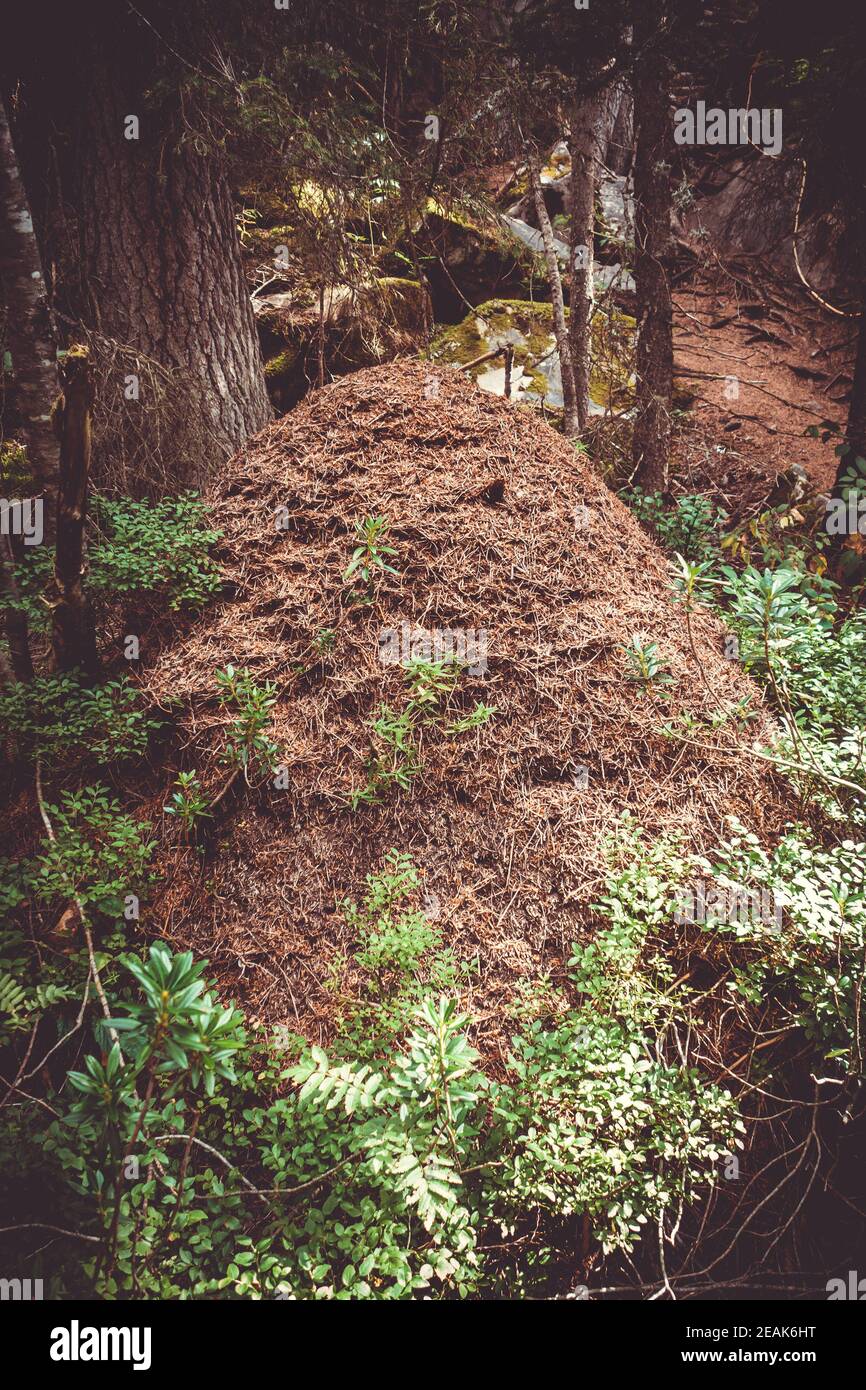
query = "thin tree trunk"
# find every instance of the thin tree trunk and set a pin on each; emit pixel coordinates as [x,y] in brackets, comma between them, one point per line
[653,204]
[621,143]
[73,631]
[586,136]
[570,421]
[855,430]
[16,621]
[320,340]
[28,326]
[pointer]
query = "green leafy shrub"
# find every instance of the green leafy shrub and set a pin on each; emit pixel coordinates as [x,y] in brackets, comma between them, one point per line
[62,716]
[812,965]
[400,955]
[691,525]
[160,548]
[154,547]
[98,855]
[386,1177]
[32,577]
[791,635]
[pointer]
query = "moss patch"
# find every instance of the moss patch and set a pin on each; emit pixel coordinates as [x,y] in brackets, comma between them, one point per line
[528,327]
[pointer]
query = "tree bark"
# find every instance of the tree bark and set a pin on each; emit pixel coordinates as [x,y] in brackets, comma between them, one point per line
[17,633]
[653,205]
[28,325]
[73,637]
[621,144]
[156,276]
[160,252]
[587,140]
[570,421]
[855,430]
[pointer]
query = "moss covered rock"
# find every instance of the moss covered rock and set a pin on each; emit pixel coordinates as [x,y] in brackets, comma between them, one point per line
[470,261]
[536,377]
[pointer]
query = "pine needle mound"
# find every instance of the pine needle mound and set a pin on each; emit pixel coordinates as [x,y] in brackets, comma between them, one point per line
[481,497]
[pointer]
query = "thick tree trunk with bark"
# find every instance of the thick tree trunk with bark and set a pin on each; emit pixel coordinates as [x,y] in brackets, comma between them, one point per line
[570,421]
[29,335]
[163,271]
[156,276]
[653,204]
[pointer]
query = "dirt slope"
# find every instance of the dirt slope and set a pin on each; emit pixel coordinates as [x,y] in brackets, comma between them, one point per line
[482,498]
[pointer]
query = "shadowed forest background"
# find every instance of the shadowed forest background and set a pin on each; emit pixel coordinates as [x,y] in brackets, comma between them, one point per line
[431,671]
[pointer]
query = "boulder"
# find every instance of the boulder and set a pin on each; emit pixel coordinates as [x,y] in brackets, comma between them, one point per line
[536,376]
[471,261]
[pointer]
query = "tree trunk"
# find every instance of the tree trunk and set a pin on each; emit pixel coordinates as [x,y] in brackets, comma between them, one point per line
[156,277]
[17,633]
[587,139]
[73,636]
[162,263]
[621,144]
[28,324]
[855,431]
[653,205]
[570,421]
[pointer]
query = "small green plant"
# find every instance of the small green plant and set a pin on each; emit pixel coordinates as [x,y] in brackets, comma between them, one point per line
[388,942]
[394,763]
[399,952]
[692,525]
[248,746]
[646,664]
[247,220]
[324,639]
[188,801]
[369,557]
[480,715]
[430,683]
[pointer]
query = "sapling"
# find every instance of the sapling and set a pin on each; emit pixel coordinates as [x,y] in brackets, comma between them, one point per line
[188,802]
[369,555]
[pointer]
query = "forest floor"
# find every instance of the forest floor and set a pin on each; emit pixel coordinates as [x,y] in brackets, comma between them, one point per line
[764,362]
